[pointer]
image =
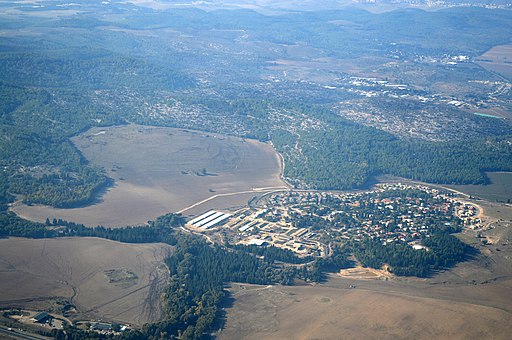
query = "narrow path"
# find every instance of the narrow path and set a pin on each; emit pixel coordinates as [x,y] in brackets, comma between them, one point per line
[254,190]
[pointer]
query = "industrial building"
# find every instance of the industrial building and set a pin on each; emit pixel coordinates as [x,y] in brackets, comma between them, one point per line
[209,219]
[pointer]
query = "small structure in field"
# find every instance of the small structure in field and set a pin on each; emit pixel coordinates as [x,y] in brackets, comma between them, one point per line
[99,326]
[41,317]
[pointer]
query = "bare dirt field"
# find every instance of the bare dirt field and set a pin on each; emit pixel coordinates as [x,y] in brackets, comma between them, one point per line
[104,279]
[324,312]
[159,170]
[324,70]
[498,59]
[471,301]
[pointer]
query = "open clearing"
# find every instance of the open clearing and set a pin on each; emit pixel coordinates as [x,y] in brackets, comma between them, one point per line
[323,70]
[159,170]
[104,279]
[339,312]
[498,59]
[471,301]
[500,188]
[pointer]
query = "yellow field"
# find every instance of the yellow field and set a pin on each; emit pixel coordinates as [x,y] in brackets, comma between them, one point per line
[498,59]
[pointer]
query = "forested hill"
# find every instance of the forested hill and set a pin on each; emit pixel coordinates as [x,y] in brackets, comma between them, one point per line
[289,78]
[351,154]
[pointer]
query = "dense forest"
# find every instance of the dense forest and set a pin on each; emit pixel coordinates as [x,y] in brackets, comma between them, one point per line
[352,154]
[198,273]
[160,230]
[444,250]
[273,253]
[40,162]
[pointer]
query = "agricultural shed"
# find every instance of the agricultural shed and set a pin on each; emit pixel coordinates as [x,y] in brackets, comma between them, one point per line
[41,317]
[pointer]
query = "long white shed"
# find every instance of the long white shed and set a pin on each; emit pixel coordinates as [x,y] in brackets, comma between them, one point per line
[200,217]
[215,221]
[208,219]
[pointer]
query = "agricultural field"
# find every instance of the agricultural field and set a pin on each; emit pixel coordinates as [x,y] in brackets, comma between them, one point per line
[338,311]
[103,279]
[158,170]
[498,59]
[500,188]
[472,300]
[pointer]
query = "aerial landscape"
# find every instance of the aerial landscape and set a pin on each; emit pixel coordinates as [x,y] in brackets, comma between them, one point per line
[255,169]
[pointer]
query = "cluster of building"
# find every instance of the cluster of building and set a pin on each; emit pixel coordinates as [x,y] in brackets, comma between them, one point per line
[307,221]
[438,4]
[468,214]
[256,229]
[34,318]
[47,321]
[376,214]
[250,228]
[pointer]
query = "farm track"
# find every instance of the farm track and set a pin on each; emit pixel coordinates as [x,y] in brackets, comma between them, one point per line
[45,272]
[254,190]
[152,306]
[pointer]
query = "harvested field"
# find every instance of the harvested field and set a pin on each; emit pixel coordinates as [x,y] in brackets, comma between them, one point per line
[325,70]
[365,273]
[498,59]
[470,301]
[104,279]
[500,188]
[334,312]
[159,170]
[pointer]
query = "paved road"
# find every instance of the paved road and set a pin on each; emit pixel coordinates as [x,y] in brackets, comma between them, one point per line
[15,334]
